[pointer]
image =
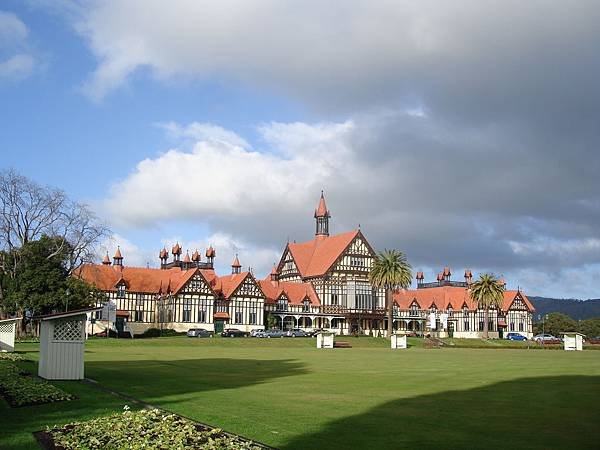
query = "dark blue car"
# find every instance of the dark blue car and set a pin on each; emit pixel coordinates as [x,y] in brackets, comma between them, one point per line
[515,337]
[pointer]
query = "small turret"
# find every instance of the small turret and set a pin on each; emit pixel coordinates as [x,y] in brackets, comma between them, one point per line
[118,258]
[106,260]
[322,216]
[236,267]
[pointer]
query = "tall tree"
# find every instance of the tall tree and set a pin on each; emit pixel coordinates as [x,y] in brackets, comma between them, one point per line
[42,283]
[29,211]
[488,293]
[391,271]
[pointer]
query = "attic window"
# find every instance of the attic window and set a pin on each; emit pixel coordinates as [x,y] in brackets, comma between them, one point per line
[305,306]
[282,304]
[121,291]
[414,309]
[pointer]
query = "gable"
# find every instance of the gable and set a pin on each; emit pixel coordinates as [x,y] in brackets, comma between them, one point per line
[249,288]
[196,285]
[357,257]
[287,265]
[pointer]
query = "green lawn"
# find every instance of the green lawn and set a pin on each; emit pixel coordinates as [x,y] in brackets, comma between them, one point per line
[288,394]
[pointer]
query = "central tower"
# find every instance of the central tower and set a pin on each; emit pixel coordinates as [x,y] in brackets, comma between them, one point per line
[322,218]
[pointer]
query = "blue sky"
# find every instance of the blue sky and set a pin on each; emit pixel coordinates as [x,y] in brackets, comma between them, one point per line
[437,131]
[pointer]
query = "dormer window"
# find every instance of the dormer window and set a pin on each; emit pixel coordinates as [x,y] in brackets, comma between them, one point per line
[414,309]
[450,311]
[121,291]
[305,306]
[282,304]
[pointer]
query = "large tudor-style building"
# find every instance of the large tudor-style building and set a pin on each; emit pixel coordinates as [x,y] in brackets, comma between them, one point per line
[322,283]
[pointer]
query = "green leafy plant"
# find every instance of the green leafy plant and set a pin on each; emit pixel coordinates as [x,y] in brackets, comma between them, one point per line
[21,389]
[4,356]
[144,429]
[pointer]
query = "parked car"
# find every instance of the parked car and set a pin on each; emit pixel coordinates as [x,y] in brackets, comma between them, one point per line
[593,340]
[260,334]
[199,333]
[256,332]
[316,331]
[515,337]
[274,333]
[546,338]
[296,332]
[234,332]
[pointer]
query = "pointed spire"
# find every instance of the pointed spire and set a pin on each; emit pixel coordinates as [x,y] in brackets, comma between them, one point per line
[196,256]
[321,210]
[176,250]
[106,260]
[186,259]
[163,254]
[210,252]
[322,216]
[118,252]
[274,273]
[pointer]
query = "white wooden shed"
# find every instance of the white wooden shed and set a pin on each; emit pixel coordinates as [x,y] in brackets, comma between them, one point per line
[398,341]
[8,328]
[573,341]
[62,345]
[325,340]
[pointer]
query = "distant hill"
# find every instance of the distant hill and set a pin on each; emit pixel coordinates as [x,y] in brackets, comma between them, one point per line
[576,309]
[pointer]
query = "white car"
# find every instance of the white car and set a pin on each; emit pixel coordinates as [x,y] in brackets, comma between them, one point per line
[543,338]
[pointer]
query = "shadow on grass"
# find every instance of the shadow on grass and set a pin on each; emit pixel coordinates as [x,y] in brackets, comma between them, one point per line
[529,413]
[148,379]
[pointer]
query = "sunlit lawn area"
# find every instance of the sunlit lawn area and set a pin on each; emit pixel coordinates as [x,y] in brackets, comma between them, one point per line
[286,393]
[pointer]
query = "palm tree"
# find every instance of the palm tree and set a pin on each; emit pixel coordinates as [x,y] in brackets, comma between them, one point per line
[390,271]
[488,293]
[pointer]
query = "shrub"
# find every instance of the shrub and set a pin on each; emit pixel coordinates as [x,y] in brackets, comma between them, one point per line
[156,332]
[144,429]
[21,389]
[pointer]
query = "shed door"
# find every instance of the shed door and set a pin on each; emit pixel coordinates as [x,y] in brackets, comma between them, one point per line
[219,325]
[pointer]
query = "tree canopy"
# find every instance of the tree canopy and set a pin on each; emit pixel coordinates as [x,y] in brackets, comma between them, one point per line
[391,271]
[488,293]
[44,237]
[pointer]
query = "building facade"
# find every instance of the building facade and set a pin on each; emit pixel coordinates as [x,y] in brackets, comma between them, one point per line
[318,284]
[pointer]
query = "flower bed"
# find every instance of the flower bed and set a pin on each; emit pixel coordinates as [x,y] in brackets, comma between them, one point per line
[144,429]
[21,389]
[4,356]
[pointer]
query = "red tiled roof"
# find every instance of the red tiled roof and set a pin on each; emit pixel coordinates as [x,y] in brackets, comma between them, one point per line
[445,296]
[295,292]
[228,284]
[137,279]
[314,258]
